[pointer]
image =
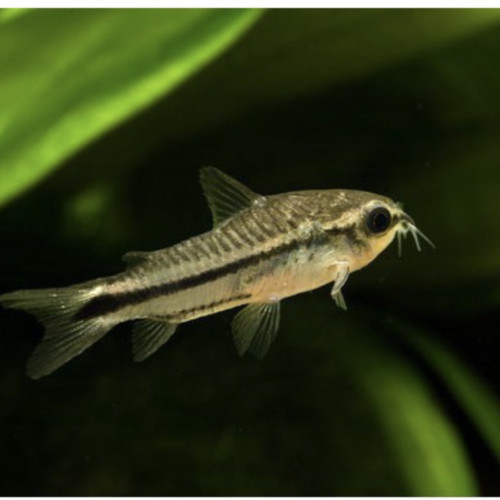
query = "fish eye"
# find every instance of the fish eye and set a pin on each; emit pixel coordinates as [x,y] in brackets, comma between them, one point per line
[378,220]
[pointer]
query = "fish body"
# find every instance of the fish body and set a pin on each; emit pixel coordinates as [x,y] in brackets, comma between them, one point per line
[261,250]
[283,245]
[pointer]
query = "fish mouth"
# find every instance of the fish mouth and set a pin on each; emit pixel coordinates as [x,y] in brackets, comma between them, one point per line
[405,218]
[407,225]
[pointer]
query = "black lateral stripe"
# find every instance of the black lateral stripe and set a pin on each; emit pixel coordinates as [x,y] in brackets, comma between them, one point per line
[349,232]
[345,230]
[108,303]
[178,314]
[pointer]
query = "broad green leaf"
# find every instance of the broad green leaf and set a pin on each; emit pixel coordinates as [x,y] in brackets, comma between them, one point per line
[429,451]
[7,15]
[426,448]
[68,76]
[293,52]
[431,455]
[471,392]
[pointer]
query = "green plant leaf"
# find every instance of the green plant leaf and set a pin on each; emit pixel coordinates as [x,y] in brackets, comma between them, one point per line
[428,449]
[68,76]
[427,452]
[293,52]
[7,15]
[470,391]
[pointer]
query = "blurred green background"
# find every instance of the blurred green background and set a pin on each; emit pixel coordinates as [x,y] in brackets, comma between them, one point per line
[107,116]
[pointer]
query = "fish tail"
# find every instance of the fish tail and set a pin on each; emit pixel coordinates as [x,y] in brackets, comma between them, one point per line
[65,336]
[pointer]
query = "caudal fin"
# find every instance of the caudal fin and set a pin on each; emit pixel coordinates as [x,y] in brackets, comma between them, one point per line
[65,337]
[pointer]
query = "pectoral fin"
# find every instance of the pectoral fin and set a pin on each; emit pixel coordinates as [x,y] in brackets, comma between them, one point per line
[148,336]
[225,195]
[339,300]
[255,327]
[342,273]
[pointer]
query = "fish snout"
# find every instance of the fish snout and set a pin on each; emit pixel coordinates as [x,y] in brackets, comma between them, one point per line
[406,219]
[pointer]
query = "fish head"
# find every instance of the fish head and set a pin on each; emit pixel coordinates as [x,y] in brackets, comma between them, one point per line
[374,221]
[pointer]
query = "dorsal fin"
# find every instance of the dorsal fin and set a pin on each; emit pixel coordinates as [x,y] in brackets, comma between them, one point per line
[225,195]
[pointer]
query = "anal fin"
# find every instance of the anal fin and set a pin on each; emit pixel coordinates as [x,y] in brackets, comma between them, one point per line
[255,327]
[149,335]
